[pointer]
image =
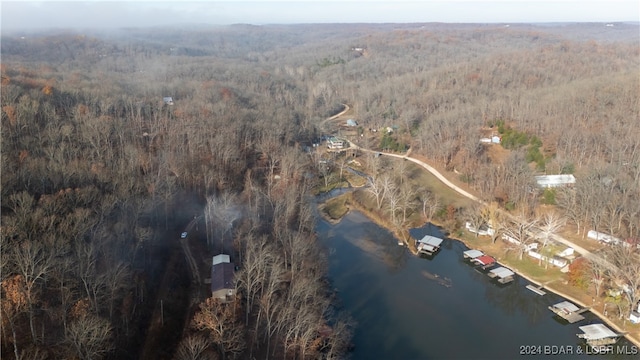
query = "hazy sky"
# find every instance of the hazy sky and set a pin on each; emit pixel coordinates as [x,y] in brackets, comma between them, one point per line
[115,14]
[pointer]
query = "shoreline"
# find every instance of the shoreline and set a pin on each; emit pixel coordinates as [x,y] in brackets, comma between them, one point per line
[548,287]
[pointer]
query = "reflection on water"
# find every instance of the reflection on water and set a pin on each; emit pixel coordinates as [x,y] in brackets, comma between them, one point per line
[407,307]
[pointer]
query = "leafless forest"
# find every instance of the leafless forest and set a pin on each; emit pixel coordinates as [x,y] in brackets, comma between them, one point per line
[100,175]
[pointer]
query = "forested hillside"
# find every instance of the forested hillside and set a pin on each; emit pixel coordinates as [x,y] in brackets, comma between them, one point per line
[100,175]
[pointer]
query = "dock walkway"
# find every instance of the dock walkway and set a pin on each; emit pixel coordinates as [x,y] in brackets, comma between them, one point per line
[568,311]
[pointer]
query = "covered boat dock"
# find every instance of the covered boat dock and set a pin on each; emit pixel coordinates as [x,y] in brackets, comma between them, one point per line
[472,254]
[485,261]
[598,335]
[429,245]
[503,274]
[568,311]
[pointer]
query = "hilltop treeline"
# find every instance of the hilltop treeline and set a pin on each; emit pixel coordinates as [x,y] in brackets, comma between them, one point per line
[95,166]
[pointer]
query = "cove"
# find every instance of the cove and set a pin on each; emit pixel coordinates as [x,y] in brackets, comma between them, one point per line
[407,307]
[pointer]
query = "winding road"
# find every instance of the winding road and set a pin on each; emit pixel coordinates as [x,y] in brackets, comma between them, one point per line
[582,251]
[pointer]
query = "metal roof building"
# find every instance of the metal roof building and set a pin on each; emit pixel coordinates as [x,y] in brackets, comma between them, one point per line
[550,181]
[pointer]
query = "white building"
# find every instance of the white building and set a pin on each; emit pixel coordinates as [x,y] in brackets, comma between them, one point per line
[551,181]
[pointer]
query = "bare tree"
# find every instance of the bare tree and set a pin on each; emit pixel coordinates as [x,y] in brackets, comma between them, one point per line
[430,204]
[551,222]
[519,235]
[89,336]
[625,273]
[254,271]
[598,268]
[495,220]
[193,347]
[476,216]
[13,302]
[219,320]
[32,260]
[374,187]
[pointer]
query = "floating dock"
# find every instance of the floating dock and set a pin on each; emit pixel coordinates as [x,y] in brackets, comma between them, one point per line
[537,290]
[598,335]
[568,311]
[429,245]
[503,275]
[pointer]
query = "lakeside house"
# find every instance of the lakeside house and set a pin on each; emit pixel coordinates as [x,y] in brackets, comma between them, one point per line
[484,230]
[222,275]
[602,237]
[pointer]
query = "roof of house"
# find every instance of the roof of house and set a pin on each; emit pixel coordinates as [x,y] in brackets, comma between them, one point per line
[222,258]
[597,331]
[555,180]
[222,276]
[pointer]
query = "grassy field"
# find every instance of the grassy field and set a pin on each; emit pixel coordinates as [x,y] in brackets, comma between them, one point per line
[336,208]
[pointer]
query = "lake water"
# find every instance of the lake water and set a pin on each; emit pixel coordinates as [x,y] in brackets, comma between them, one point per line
[407,307]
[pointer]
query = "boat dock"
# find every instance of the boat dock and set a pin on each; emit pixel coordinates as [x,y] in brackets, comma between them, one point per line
[568,311]
[484,261]
[598,335]
[537,290]
[429,245]
[503,275]
[472,254]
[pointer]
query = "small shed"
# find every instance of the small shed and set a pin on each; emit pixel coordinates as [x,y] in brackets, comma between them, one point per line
[351,122]
[634,317]
[168,100]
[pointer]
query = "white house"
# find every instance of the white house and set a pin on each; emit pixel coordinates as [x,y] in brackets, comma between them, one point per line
[335,143]
[605,238]
[551,181]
